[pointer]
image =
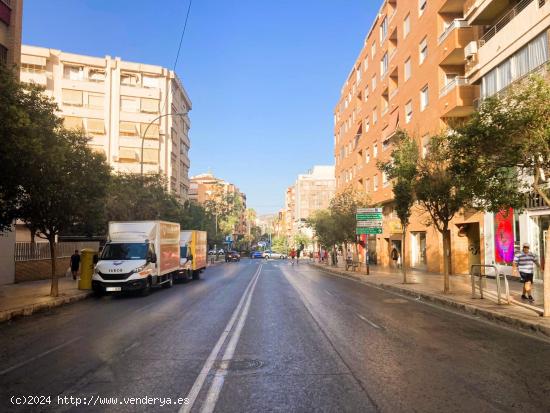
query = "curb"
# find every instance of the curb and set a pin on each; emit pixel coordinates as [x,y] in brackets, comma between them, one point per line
[447,302]
[30,309]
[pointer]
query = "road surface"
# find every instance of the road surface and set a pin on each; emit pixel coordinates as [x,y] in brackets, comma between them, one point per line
[261,336]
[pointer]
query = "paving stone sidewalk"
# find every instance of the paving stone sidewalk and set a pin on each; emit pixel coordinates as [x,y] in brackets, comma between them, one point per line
[429,287]
[29,297]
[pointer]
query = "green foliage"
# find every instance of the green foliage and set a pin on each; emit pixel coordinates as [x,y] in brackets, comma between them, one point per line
[226,208]
[325,227]
[301,239]
[403,170]
[343,208]
[280,244]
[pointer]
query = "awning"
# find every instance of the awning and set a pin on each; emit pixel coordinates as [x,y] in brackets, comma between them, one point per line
[388,132]
[33,60]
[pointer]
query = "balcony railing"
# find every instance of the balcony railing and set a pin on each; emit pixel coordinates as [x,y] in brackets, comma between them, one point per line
[457,81]
[456,23]
[393,93]
[507,18]
[393,53]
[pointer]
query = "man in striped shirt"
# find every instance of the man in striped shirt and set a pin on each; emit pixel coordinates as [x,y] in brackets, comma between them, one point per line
[524,263]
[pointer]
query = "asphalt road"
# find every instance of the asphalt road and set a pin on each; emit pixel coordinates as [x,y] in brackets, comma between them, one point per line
[263,336]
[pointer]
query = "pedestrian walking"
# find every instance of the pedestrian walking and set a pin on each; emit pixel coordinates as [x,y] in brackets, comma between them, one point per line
[75,263]
[395,257]
[292,255]
[524,263]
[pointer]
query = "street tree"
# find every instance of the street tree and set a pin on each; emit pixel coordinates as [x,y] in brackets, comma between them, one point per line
[403,170]
[506,146]
[68,188]
[326,230]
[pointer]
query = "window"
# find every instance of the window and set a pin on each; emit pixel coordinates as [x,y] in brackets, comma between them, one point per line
[367,185]
[375,183]
[373,82]
[425,145]
[406,25]
[73,72]
[408,111]
[128,129]
[150,131]
[366,93]
[129,79]
[365,64]
[128,154]
[386,144]
[72,122]
[95,101]
[422,6]
[358,76]
[384,64]
[71,97]
[407,69]
[374,116]
[129,104]
[96,126]
[385,180]
[366,125]
[150,82]
[423,50]
[383,29]
[150,105]
[3,54]
[375,150]
[367,155]
[96,75]
[373,50]
[424,100]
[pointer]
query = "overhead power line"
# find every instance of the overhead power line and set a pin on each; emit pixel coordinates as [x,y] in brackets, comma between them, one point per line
[182,34]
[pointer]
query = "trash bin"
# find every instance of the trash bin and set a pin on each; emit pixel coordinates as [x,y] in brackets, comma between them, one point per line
[86,268]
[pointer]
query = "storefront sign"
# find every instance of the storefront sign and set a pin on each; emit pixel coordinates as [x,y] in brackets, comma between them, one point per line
[504,236]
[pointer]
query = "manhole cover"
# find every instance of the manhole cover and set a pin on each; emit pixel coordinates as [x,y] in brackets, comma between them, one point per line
[395,301]
[239,364]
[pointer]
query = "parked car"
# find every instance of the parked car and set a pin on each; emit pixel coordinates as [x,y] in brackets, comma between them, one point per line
[257,254]
[274,255]
[233,256]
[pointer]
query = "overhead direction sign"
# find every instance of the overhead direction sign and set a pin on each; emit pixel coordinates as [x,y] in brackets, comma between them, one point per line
[368,231]
[369,221]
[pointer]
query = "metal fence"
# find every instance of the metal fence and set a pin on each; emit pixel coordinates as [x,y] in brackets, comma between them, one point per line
[27,251]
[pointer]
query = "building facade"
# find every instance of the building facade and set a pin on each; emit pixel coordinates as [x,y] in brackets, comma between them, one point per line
[311,192]
[136,114]
[11,13]
[424,65]
[205,187]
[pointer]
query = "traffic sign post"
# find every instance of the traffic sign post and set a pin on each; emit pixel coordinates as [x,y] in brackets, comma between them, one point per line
[369,221]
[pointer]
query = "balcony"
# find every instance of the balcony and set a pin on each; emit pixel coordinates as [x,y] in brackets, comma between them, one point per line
[453,41]
[504,20]
[484,12]
[456,98]
[36,77]
[451,7]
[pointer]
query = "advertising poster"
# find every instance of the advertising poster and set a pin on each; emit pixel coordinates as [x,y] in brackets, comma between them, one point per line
[504,236]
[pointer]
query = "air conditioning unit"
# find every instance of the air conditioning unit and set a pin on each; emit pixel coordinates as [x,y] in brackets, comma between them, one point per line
[470,50]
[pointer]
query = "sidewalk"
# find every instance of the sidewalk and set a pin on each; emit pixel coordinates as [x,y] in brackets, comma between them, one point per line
[429,286]
[32,296]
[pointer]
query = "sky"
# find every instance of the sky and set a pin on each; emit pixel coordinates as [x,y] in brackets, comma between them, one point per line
[264,76]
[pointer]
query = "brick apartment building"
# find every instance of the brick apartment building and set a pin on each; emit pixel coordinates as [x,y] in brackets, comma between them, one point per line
[11,13]
[425,64]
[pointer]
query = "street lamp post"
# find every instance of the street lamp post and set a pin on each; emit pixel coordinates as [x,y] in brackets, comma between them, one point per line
[147,128]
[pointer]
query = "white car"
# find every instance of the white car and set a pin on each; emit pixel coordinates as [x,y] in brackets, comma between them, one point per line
[274,255]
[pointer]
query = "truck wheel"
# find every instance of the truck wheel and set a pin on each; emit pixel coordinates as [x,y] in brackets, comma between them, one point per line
[169,283]
[147,289]
[196,275]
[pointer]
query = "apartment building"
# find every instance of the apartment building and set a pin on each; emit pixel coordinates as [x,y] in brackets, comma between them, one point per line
[512,41]
[290,207]
[11,13]
[311,192]
[205,187]
[136,114]
[410,74]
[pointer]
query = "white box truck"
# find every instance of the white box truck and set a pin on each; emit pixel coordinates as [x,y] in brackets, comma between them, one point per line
[192,254]
[138,256]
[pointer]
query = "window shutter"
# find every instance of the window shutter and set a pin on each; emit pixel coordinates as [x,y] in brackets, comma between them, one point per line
[71,122]
[96,126]
[149,105]
[71,97]
[152,131]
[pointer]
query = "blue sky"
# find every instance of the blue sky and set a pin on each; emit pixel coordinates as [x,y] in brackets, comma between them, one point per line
[263,75]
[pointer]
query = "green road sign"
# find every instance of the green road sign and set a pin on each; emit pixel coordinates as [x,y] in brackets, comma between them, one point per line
[372,230]
[368,217]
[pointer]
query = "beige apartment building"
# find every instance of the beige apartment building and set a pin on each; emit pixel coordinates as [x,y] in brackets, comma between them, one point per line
[311,192]
[425,64]
[205,187]
[121,106]
[11,13]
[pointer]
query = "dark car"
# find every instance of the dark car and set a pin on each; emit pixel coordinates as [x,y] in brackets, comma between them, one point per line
[257,254]
[233,256]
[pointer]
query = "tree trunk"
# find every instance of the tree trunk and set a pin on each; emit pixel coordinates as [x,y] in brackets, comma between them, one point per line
[403,249]
[546,278]
[446,258]
[54,290]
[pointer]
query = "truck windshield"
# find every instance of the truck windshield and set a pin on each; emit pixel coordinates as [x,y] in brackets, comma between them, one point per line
[183,252]
[134,251]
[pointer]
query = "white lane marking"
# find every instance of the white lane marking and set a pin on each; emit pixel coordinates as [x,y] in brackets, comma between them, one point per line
[329,293]
[199,381]
[219,378]
[366,320]
[39,356]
